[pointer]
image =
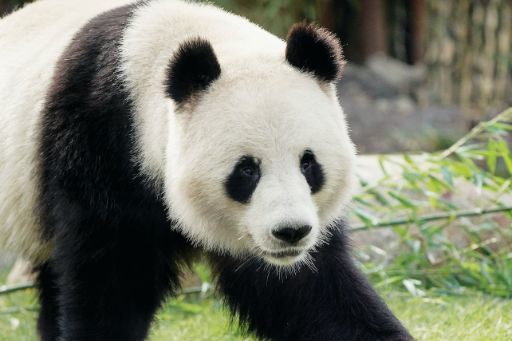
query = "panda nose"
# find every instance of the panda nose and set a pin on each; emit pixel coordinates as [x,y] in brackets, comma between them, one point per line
[291,234]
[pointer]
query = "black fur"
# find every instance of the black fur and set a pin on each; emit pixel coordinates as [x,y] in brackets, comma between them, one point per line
[315,50]
[115,256]
[312,171]
[243,180]
[332,302]
[48,295]
[193,68]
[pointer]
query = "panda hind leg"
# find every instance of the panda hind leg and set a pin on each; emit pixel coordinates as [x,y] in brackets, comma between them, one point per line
[47,323]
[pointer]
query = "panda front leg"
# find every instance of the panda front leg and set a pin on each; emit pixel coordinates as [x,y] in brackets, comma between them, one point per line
[112,276]
[331,300]
[47,323]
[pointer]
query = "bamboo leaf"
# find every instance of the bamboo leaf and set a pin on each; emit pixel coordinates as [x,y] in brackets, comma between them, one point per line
[363,202]
[381,160]
[491,159]
[366,217]
[447,175]
[440,182]
[403,200]
[379,197]
[503,126]
[505,154]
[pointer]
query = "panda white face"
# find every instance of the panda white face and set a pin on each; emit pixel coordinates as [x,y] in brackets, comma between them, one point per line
[258,162]
[260,165]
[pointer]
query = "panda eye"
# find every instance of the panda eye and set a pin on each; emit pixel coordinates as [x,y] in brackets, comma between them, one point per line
[307,161]
[305,165]
[248,171]
[248,168]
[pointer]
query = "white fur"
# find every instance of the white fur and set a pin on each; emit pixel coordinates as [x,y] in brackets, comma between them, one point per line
[259,106]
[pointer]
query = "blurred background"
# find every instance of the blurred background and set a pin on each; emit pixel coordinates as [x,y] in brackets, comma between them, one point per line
[426,91]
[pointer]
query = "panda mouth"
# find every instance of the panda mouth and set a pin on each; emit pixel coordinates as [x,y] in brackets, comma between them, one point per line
[282,254]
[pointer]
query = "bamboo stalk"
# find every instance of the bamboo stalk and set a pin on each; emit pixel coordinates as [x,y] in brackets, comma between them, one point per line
[9,289]
[432,217]
[14,310]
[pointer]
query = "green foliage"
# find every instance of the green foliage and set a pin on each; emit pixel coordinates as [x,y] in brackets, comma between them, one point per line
[17,314]
[451,211]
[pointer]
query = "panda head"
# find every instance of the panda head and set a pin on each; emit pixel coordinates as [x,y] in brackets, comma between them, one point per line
[259,161]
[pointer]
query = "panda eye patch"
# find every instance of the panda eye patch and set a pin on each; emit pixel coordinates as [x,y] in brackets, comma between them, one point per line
[243,180]
[312,171]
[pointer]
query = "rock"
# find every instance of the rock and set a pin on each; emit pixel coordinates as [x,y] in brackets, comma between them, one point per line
[400,76]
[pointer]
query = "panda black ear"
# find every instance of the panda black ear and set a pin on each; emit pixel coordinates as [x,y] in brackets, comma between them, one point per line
[313,49]
[192,69]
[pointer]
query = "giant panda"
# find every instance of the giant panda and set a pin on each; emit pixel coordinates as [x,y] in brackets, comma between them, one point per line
[136,136]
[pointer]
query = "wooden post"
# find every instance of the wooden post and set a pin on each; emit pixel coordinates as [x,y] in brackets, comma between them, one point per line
[373,27]
[417,30]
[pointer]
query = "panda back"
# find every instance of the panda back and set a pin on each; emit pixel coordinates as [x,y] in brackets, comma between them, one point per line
[31,43]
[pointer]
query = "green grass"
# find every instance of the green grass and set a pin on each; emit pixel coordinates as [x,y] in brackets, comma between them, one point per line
[195,320]
[471,317]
